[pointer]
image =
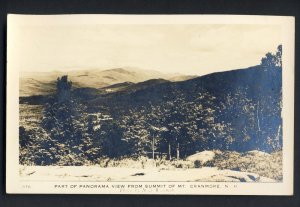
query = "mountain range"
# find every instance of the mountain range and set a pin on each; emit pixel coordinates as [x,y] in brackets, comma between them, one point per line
[43,83]
[236,110]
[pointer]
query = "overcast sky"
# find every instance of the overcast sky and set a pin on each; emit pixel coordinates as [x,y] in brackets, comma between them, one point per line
[186,49]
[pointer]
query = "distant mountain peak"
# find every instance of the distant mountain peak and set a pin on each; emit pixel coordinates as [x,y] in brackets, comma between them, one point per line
[42,83]
[120,70]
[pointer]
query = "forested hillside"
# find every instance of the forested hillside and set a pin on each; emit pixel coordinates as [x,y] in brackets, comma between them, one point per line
[238,110]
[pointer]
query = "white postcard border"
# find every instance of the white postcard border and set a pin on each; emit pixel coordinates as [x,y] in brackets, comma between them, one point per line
[13,183]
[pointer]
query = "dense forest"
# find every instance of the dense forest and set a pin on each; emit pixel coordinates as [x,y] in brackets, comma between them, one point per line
[238,110]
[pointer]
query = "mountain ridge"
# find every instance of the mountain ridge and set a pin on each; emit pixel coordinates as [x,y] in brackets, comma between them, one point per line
[43,83]
[242,105]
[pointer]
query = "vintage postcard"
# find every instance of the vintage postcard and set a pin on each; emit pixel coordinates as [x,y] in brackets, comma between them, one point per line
[150,104]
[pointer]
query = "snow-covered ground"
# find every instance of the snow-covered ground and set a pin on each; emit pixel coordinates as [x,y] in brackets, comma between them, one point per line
[96,173]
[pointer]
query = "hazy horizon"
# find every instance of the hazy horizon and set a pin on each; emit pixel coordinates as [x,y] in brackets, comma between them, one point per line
[179,48]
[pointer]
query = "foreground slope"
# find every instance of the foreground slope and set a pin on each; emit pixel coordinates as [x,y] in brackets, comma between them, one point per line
[95,173]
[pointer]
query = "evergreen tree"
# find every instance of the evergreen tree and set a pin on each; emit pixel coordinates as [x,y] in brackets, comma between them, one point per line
[65,120]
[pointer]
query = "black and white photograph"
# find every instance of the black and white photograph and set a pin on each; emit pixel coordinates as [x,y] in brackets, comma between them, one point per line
[140,103]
